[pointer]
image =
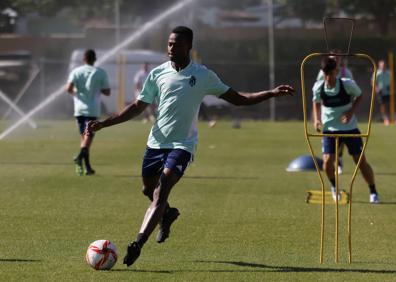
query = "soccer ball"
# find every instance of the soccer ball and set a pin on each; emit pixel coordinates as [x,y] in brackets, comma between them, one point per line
[101,255]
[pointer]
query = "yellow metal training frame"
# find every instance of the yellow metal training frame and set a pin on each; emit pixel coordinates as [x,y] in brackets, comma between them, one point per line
[309,135]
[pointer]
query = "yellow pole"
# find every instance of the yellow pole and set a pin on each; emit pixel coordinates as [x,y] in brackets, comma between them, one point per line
[373,82]
[392,88]
[307,135]
[121,83]
[337,143]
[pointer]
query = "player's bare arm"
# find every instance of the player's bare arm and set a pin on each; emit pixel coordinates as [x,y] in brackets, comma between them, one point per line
[246,98]
[316,116]
[346,117]
[70,89]
[128,113]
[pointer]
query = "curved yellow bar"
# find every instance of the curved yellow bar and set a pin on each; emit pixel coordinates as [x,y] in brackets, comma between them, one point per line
[337,136]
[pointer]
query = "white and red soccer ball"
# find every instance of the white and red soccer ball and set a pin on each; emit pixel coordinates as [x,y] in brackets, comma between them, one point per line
[101,255]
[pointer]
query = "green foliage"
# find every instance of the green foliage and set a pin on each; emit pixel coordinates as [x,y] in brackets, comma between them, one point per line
[307,10]
[382,11]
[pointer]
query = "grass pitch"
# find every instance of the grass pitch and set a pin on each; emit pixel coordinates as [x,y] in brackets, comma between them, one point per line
[243,217]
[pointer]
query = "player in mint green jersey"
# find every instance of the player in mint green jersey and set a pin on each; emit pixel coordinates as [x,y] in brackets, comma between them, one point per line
[86,83]
[178,87]
[382,88]
[335,101]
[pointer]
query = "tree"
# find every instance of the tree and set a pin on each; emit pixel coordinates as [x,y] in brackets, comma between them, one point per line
[381,10]
[307,10]
[87,9]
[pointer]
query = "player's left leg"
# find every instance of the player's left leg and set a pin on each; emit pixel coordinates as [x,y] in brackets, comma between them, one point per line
[368,175]
[355,146]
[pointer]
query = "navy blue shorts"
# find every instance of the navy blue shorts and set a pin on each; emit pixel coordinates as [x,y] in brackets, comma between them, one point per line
[383,99]
[82,123]
[155,160]
[354,144]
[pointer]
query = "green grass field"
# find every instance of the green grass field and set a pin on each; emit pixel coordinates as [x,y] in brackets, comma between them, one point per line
[243,217]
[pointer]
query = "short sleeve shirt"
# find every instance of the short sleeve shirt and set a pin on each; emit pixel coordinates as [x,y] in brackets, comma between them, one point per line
[140,77]
[383,82]
[89,81]
[179,96]
[331,116]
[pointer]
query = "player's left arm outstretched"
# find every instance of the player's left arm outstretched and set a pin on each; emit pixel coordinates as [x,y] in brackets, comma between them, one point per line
[250,98]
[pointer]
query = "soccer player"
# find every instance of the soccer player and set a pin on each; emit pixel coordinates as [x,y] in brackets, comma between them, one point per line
[179,86]
[85,84]
[343,72]
[335,101]
[382,88]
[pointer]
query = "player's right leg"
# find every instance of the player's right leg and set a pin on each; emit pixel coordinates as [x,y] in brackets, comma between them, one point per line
[328,149]
[78,159]
[384,106]
[86,144]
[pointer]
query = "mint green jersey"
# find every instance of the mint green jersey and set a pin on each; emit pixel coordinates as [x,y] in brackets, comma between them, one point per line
[331,116]
[88,81]
[383,82]
[179,96]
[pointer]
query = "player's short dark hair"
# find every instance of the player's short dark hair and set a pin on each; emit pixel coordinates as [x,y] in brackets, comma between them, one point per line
[185,32]
[328,64]
[90,56]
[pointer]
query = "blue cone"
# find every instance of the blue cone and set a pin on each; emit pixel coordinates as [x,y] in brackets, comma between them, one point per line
[304,163]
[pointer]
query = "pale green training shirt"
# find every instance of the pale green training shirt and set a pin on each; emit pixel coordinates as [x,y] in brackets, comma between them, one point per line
[179,96]
[383,82]
[89,81]
[331,116]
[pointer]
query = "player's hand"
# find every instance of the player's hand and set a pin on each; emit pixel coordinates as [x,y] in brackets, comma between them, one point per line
[283,90]
[346,117]
[318,126]
[92,126]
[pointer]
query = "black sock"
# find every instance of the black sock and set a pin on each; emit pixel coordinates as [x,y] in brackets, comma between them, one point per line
[332,181]
[141,239]
[85,156]
[81,153]
[372,189]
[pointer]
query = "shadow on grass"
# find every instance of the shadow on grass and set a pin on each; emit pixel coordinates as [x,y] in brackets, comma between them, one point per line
[222,177]
[367,203]
[36,163]
[385,173]
[199,177]
[271,268]
[146,271]
[18,260]
[258,267]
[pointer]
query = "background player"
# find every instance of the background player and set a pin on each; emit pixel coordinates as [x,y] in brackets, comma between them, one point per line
[85,84]
[335,101]
[382,89]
